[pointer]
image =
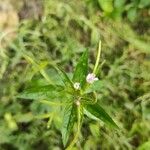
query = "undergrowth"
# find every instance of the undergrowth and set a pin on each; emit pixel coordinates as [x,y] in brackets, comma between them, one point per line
[59,37]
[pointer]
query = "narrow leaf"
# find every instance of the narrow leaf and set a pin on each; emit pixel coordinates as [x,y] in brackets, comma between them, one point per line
[81,69]
[97,111]
[106,5]
[41,92]
[89,98]
[66,80]
[97,86]
[88,114]
[69,119]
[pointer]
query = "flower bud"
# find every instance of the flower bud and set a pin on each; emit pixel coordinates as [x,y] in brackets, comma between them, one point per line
[76,85]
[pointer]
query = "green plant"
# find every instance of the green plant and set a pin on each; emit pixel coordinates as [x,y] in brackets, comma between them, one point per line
[116,9]
[75,97]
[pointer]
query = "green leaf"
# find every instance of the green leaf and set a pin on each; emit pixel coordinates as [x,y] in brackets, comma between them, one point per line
[89,98]
[41,92]
[132,14]
[119,7]
[144,3]
[28,117]
[69,119]
[144,146]
[106,5]
[54,76]
[119,3]
[66,80]
[97,111]
[97,86]
[81,69]
[87,113]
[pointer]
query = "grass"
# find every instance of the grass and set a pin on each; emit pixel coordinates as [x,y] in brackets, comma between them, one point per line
[59,37]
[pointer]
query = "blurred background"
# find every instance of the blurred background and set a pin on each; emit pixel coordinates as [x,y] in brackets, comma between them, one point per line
[36,32]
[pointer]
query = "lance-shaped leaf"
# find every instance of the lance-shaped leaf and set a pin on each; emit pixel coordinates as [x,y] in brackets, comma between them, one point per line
[41,92]
[69,119]
[66,80]
[97,111]
[89,98]
[81,69]
[97,86]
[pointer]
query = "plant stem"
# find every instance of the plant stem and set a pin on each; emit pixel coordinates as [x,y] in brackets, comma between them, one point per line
[78,130]
[50,121]
[97,58]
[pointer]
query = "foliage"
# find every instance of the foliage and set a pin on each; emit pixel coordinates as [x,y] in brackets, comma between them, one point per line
[58,38]
[73,107]
[117,8]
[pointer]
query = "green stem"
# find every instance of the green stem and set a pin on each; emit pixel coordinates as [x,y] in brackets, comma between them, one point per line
[95,100]
[98,58]
[50,121]
[78,130]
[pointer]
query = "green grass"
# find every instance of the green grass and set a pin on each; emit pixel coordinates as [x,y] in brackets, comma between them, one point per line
[59,37]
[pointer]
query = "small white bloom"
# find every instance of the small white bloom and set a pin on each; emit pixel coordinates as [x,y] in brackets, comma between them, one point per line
[91,78]
[76,85]
[77,103]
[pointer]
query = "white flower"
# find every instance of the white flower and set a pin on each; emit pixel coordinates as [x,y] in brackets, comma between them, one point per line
[77,103]
[91,78]
[76,85]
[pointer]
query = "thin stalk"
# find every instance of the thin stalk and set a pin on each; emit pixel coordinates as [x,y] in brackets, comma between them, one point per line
[95,100]
[98,58]
[50,121]
[78,129]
